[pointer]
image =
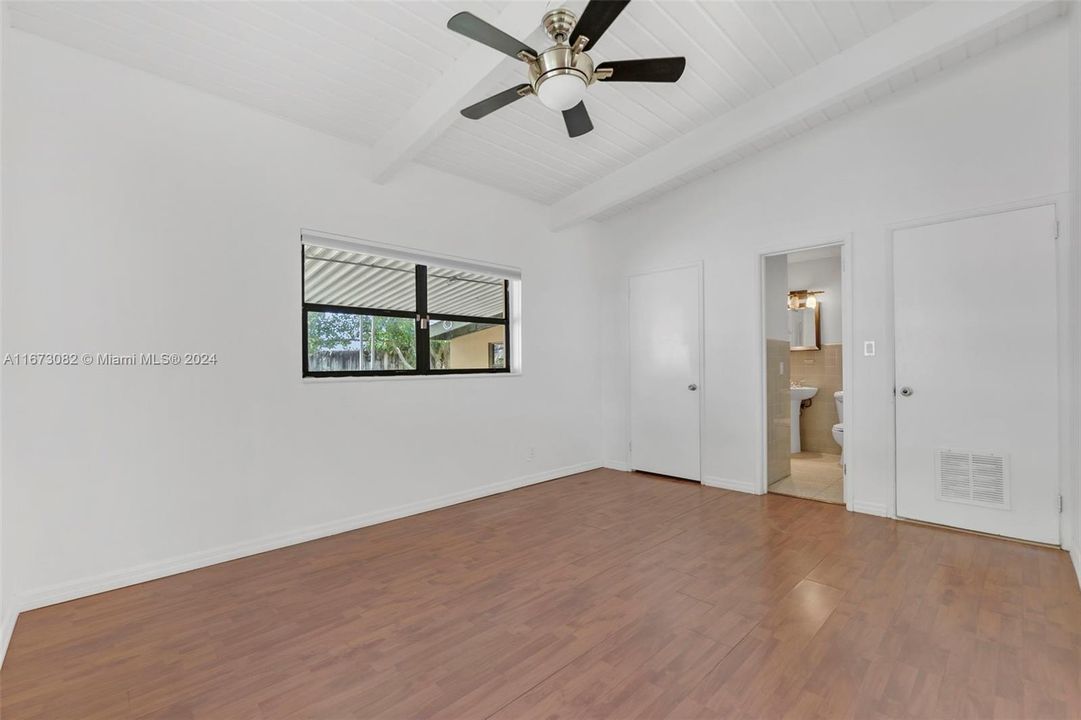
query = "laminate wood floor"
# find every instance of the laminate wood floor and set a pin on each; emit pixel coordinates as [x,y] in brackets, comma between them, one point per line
[603,595]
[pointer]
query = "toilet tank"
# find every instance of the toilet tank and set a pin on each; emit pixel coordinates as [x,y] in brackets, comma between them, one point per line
[839,401]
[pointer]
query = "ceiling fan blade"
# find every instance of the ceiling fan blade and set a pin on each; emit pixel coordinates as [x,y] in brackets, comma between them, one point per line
[474,28]
[490,105]
[596,18]
[650,70]
[577,120]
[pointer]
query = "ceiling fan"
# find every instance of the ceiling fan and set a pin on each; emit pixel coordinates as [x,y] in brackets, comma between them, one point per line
[560,75]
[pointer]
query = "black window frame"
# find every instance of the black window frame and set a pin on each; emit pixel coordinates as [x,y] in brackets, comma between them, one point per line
[422,319]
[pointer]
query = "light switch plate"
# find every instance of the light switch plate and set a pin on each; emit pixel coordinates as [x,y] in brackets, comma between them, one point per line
[868,348]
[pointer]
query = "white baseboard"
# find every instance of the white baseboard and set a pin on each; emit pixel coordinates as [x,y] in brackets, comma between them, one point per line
[7,626]
[868,508]
[744,486]
[63,592]
[617,465]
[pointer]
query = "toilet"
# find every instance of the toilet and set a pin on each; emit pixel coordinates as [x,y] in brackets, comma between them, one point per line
[839,428]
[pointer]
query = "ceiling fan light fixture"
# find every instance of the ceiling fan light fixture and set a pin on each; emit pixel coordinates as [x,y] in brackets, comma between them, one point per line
[562,90]
[560,75]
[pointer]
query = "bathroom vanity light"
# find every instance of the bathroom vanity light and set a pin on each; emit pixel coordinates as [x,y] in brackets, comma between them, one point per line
[803,299]
[804,323]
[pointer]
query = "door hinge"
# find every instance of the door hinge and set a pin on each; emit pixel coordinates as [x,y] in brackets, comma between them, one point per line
[1060,503]
[1057,229]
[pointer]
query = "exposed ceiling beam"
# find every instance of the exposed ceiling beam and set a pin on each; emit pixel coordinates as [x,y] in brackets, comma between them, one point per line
[439,106]
[903,45]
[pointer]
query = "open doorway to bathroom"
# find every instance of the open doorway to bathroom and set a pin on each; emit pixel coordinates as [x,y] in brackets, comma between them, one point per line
[803,320]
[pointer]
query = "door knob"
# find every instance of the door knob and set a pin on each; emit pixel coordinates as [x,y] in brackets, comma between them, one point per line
[692,387]
[906,391]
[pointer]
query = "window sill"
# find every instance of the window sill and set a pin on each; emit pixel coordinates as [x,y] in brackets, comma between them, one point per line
[407,378]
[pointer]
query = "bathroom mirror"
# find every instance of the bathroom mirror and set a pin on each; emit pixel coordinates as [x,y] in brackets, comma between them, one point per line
[803,321]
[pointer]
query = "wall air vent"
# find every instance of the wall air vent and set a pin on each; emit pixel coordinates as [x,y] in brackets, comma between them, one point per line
[973,478]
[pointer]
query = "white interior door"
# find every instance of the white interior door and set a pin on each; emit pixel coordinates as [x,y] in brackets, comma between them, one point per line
[665,367]
[977,374]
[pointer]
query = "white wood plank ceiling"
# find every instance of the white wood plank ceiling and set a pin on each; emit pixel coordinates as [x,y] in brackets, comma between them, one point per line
[735,51]
[855,101]
[350,69]
[354,70]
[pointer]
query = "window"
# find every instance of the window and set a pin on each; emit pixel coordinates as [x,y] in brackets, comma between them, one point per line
[368,314]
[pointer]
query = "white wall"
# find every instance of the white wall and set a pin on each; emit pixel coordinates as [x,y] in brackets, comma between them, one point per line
[990,131]
[825,275]
[1073,495]
[171,219]
[7,612]
[775,296]
[145,216]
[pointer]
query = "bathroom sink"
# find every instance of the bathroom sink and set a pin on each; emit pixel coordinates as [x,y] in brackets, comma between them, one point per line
[799,394]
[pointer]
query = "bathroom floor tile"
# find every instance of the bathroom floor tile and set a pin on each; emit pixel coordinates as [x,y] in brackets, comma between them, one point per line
[815,476]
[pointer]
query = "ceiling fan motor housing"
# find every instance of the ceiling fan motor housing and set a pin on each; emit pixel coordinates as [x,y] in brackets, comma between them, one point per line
[560,60]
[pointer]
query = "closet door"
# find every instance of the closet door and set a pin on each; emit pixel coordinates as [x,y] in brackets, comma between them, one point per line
[976,404]
[665,372]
